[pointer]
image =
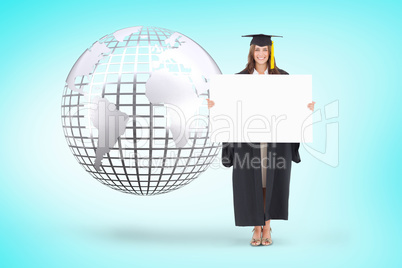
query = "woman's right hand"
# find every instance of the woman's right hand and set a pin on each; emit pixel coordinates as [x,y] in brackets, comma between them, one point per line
[210,103]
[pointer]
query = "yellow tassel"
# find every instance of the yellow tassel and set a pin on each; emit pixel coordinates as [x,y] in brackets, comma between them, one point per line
[272,56]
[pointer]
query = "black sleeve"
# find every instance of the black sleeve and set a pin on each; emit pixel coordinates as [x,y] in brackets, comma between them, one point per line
[227,154]
[295,146]
[295,152]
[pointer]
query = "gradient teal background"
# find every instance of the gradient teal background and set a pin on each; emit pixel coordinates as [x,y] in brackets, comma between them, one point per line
[54,214]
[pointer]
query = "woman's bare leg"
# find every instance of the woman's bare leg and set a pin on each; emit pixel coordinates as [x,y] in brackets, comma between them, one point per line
[266,230]
[257,233]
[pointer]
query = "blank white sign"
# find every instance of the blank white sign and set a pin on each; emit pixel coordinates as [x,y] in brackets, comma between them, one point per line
[261,108]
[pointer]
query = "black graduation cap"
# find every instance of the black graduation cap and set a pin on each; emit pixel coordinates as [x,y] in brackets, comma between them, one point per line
[263,40]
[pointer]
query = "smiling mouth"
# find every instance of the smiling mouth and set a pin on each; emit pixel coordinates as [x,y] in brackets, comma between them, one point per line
[261,58]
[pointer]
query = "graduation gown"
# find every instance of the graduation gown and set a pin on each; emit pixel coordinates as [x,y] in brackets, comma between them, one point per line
[247,179]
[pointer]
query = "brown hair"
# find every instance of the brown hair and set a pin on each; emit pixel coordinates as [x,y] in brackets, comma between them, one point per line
[251,62]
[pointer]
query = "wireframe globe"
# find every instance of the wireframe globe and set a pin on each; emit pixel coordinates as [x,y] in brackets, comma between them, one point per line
[134,110]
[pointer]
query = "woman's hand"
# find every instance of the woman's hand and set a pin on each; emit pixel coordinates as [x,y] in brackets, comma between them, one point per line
[210,103]
[311,106]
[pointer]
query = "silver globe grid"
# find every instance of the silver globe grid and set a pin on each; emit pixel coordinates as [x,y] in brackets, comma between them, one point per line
[156,166]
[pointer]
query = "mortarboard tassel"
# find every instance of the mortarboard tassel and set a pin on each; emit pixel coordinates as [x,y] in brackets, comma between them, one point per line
[272,56]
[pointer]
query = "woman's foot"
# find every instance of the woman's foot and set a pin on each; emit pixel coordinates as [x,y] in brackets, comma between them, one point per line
[266,236]
[256,239]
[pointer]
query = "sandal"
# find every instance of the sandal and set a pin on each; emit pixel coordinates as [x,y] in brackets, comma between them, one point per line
[256,242]
[267,241]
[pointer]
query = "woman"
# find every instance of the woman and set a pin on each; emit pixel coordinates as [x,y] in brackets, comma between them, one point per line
[260,193]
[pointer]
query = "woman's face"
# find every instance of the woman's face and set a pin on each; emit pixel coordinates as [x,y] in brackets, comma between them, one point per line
[261,54]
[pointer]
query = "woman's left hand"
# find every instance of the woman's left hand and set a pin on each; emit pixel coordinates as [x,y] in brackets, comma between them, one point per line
[311,106]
